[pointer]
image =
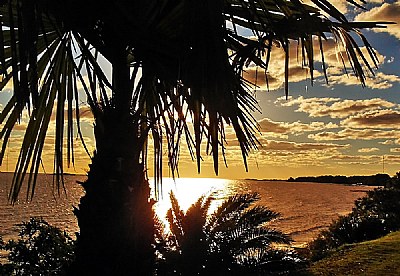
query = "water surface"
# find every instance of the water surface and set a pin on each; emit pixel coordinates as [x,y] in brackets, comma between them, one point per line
[305,208]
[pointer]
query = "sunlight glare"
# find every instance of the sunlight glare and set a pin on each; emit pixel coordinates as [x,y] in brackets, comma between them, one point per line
[188,190]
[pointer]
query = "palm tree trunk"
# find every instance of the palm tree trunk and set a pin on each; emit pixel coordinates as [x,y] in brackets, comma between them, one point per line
[115,216]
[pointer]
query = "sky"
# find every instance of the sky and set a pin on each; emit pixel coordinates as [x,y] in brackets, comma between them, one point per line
[337,128]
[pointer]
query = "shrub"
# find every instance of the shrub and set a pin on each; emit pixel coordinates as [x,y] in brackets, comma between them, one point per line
[40,250]
[373,216]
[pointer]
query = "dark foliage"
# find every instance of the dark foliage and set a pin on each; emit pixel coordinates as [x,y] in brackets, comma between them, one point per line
[394,182]
[373,216]
[370,180]
[40,250]
[234,240]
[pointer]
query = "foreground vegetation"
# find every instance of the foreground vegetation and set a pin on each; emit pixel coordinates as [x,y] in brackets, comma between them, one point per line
[376,257]
[41,249]
[350,245]
[234,240]
[373,216]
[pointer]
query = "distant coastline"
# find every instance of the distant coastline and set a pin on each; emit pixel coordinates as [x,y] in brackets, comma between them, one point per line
[263,179]
[367,180]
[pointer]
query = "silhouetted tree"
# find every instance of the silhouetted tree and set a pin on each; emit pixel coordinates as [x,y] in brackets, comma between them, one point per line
[176,72]
[234,240]
[41,249]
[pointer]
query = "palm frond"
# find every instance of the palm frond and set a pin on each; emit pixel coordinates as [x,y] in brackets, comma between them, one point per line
[175,217]
[230,209]
[191,56]
[38,57]
[270,261]
[239,240]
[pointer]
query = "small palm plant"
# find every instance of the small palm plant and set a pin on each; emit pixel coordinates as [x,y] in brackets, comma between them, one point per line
[234,240]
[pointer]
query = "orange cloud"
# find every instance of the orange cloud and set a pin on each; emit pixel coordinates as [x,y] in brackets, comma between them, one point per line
[387,142]
[269,126]
[299,71]
[85,114]
[367,150]
[386,12]
[334,107]
[379,81]
[292,146]
[341,5]
[355,134]
[374,119]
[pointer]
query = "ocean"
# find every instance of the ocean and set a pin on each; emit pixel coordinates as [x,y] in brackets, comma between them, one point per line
[305,208]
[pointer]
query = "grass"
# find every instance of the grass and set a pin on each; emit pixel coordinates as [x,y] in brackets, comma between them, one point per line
[377,257]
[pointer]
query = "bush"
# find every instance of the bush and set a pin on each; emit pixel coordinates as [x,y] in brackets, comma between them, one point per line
[41,250]
[373,216]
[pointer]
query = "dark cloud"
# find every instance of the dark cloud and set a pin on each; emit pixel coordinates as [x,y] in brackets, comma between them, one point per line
[267,125]
[377,119]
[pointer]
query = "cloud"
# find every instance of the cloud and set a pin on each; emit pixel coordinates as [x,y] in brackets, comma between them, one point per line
[341,5]
[386,12]
[298,70]
[275,77]
[269,126]
[379,81]
[292,146]
[355,134]
[387,142]
[334,107]
[21,126]
[85,114]
[313,126]
[367,150]
[345,158]
[374,119]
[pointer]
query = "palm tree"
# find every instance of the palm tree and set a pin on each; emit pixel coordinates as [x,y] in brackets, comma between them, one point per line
[170,60]
[233,240]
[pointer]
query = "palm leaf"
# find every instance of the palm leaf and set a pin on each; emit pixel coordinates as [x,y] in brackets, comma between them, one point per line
[192,56]
[239,240]
[230,210]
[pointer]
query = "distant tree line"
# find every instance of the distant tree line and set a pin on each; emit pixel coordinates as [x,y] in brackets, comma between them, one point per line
[370,180]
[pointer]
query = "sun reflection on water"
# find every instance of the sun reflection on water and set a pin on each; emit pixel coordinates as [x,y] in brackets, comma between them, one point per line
[188,190]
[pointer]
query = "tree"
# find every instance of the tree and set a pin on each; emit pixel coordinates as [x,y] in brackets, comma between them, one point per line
[170,60]
[41,249]
[233,240]
[373,216]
